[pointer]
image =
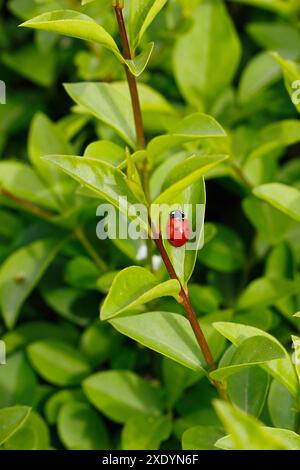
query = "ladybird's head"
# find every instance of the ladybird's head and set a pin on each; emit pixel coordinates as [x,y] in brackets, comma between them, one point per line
[177,214]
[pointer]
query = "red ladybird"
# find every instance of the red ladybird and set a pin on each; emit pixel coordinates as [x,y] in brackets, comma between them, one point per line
[178,230]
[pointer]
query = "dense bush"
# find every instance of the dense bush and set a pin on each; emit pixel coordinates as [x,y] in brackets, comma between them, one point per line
[219,97]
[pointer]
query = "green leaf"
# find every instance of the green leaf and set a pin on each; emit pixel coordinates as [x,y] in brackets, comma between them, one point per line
[270,222]
[145,432]
[46,138]
[177,379]
[185,174]
[201,437]
[282,406]
[57,362]
[281,369]
[135,286]
[275,136]
[260,73]
[140,62]
[21,180]
[120,395]
[265,291]
[252,351]
[105,180]
[141,15]
[80,427]
[32,435]
[291,74]
[33,64]
[11,419]
[34,330]
[225,252]
[169,334]
[107,103]
[276,36]
[248,389]
[282,197]
[99,342]
[107,151]
[195,127]
[18,381]
[74,24]
[20,273]
[247,433]
[201,56]
[55,403]
[81,272]
[296,355]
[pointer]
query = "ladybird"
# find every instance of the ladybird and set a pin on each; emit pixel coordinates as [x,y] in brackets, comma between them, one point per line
[178,229]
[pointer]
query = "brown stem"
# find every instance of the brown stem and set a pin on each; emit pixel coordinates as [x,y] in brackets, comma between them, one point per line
[27,205]
[138,120]
[186,303]
[241,176]
[90,249]
[184,297]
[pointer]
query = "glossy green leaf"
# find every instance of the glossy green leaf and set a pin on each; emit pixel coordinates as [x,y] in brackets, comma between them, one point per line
[145,432]
[31,331]
[265,291]
[21,180]
[201,56]
[201,437]
[55,403]
[81,272]
[141,15]
[57,362]
[33,435]
[106,151]
[99,342]
[247,433]
[140,62]
[80,427]
[281,369]
[135,286]
[260,73]
[248,389]
[74,24]
[46,138]
[11,419]
[296,355]
[20,273]
[291,75]
[18,381]
[185,174]
[274,136]
[284,198]
[120,395]
[282,406]
[195,127]
[169,334]
[107,103]
[177,379]
[105,180]
[254,350]
[271,223]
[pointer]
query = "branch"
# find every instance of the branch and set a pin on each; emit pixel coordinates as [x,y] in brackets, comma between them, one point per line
[27,205]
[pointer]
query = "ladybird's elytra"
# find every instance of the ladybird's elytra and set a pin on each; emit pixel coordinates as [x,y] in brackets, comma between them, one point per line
[178,229]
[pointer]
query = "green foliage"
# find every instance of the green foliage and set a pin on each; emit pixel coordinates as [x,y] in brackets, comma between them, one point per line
[218,86]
